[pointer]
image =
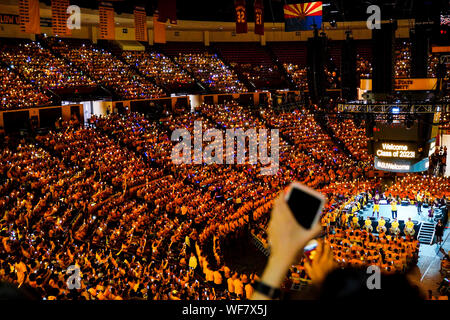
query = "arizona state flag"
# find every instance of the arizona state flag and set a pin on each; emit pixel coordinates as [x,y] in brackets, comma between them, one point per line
[107,28]
[159,30]
[259,17]
[59,17]
[140,24]
[241,16]
[29,16]
[303,16]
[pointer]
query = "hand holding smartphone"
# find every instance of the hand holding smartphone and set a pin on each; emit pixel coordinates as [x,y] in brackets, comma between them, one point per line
[305,204]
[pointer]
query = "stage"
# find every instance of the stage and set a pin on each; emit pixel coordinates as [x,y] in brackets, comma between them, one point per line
[403,213]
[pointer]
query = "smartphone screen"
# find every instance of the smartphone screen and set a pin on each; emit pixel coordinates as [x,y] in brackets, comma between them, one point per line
[304,206]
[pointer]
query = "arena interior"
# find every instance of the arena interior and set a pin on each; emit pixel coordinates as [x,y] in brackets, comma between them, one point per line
[94,205]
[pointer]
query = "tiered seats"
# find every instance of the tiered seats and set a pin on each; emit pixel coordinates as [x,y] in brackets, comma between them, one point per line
[253,62]
[16,92]
[107,69]
[402,67]
[293,56]
[161,68]
[41,67]
[205,66]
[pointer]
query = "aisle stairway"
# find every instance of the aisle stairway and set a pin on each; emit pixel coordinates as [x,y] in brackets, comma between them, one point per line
[426,233]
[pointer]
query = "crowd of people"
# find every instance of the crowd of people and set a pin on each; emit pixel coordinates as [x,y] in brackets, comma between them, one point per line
[402,58]
[57,64]
[109,200]
[363,67]
[16,92]
[159,67]
[212,71]
[354,137]
[40,67]
[106,69]
[298,75]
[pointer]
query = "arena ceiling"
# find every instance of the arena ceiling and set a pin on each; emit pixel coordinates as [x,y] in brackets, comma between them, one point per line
[223,10]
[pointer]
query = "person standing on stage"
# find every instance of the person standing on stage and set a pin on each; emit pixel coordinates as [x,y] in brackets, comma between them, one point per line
[394,208]
[439,231]
[376,205]
[419,202]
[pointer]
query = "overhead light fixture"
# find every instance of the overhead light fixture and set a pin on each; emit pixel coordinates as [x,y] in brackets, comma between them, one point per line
[395,110]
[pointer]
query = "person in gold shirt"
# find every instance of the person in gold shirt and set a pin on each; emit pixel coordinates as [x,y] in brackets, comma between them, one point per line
[381,228]
[376,205]
[409,228]
[394,208]
[355,222]
[419,202]
[368,225]
[394,227]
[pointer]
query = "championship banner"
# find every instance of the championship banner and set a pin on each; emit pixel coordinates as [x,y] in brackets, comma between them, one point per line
[59,17]
[167,10]
[140,24]
[29,16]
[411,84]
[9,19]
[159,30]
[241,16]
[259,17]
[303,16]
[106,26]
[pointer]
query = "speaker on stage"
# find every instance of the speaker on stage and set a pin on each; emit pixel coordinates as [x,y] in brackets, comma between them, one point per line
[348,67]
[383,58]
[420,44]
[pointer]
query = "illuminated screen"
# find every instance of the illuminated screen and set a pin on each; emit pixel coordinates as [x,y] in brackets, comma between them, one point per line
[396,150]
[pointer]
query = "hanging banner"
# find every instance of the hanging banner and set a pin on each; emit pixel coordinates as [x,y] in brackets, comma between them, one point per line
[59,17]
[9,19]
[159,30]
[140,24]
[259,17]
[29,16]
[106,26]
[241,16]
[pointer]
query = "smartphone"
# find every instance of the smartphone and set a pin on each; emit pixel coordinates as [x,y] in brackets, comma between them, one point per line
[305,204]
